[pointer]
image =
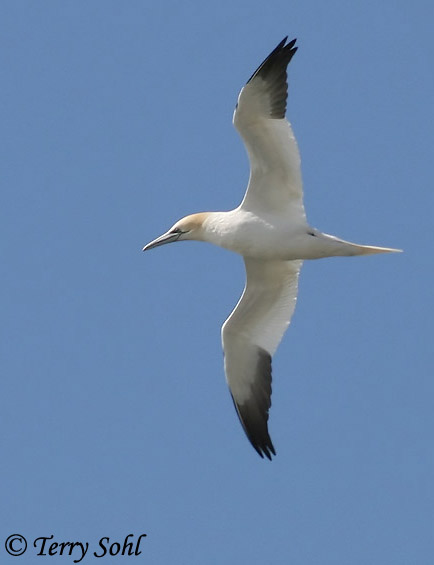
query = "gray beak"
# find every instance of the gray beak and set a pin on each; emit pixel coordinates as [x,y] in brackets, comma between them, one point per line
[168,237]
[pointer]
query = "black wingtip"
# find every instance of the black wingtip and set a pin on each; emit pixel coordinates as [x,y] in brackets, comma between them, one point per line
[282,43]
[268,450]
[286,52]
[253,414]
[262,445]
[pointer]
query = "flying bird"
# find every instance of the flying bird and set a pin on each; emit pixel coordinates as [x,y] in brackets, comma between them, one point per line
[269,229]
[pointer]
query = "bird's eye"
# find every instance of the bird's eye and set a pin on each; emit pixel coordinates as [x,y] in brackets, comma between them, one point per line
[176,230]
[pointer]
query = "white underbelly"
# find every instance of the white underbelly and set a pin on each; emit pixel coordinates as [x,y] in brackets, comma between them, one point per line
[268,243]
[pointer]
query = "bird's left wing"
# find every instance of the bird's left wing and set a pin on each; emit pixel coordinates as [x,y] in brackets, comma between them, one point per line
[250,337]
[275,183]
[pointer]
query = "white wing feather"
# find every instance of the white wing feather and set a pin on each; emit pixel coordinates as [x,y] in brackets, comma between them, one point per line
[275,183]
[251,335]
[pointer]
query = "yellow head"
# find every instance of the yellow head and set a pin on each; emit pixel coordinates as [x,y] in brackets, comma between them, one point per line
[190,227]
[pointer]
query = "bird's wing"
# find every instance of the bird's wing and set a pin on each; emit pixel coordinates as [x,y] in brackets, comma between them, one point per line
[275,184]
[250,337]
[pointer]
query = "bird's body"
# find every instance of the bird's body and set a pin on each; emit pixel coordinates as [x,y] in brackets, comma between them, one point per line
[271,237]
[269,229]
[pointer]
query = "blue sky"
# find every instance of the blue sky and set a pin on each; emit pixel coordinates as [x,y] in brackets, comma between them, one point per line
[116,121]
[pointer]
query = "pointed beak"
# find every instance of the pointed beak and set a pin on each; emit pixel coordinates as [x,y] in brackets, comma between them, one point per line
[162,240]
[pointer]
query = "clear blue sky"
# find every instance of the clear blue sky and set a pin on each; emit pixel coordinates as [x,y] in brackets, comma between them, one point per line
[116,419]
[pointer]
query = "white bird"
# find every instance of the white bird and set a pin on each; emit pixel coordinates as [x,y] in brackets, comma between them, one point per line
[269,229]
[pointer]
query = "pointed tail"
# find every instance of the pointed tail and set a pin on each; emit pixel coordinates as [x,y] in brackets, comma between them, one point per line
[371,249]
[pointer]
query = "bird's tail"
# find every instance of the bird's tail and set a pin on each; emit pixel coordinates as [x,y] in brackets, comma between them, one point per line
[341,247]
[371,249]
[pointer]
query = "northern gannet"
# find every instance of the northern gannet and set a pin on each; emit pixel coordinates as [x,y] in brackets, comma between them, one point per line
[269,229]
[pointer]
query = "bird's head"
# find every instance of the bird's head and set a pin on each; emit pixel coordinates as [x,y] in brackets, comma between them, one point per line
[190,227]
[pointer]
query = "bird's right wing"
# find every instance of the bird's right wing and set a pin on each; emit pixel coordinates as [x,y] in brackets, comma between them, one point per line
[250,337]
[275,183]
